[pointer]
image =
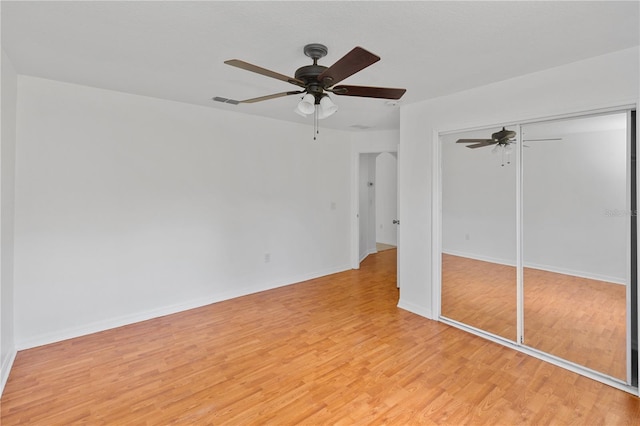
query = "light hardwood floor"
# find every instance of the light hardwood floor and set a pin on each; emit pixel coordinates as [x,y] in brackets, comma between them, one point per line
[334,350]
[383,247]
[578,319]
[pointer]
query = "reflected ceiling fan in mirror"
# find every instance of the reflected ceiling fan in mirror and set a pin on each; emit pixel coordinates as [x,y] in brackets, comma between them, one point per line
[502,141]
[317,81]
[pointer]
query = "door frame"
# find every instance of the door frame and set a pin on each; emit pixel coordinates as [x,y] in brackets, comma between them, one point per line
[355,199]
[436,261]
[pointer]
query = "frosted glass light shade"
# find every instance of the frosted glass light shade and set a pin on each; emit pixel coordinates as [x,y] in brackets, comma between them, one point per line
[327,107]
[307,104]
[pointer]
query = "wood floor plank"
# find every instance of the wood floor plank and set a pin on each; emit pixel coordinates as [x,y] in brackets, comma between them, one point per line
[334,350]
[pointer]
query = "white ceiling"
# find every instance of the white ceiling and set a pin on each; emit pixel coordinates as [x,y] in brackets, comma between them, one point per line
[176,50]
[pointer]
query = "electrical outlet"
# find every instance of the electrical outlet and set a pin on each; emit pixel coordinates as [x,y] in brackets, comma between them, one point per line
[267,257]
[466,237]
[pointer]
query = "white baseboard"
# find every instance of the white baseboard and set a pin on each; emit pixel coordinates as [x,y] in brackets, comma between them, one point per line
[364,256]
[483,258]
[416,309]
[581,274]
[548,268]
[97,326]
[5,368]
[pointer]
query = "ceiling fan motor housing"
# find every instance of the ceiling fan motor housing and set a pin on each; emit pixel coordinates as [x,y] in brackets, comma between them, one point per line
[503,135]
[309,73]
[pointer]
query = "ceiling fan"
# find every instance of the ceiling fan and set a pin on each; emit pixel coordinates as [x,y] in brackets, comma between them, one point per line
[503,138]
[316,81]
[502,141]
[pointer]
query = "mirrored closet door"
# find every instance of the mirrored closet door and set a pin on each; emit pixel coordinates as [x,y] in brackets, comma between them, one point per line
[538,240]
[576,219]
[479,234]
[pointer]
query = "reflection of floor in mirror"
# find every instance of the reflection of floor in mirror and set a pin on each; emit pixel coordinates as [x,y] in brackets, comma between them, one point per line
[480,294]
[574,318]
[578,319]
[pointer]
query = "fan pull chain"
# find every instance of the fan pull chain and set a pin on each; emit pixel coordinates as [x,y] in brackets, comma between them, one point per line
[316,130]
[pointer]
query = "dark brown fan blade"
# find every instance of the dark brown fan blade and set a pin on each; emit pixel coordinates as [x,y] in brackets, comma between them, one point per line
[263,71]
[481,144]
[354,61]
[369,92]
[474,140]
[254,100]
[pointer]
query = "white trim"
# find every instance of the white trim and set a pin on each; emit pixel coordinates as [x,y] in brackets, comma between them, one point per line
[580,274]
[607,108]
[5,368]
[398,198]
[548,268]
[519,243]
[506,262]
[611,109]
[97,326]
[559,362]
[355,210]
[416,309]
[436,227]
[364,256]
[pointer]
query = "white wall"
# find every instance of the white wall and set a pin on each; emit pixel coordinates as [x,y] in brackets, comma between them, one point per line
[7,170]
[605,81]
[386,188]
[130,207]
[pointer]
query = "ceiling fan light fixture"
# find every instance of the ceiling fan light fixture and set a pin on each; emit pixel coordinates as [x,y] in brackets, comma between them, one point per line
[307,104]
[300,113]
[326,108]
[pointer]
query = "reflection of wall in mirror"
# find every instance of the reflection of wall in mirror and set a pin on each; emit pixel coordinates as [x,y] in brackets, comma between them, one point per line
[478,201]
[569,186]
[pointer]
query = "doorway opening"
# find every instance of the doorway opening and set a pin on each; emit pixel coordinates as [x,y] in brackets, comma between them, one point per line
[377,210]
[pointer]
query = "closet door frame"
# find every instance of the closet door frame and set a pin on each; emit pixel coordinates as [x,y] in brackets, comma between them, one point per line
[436,227]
